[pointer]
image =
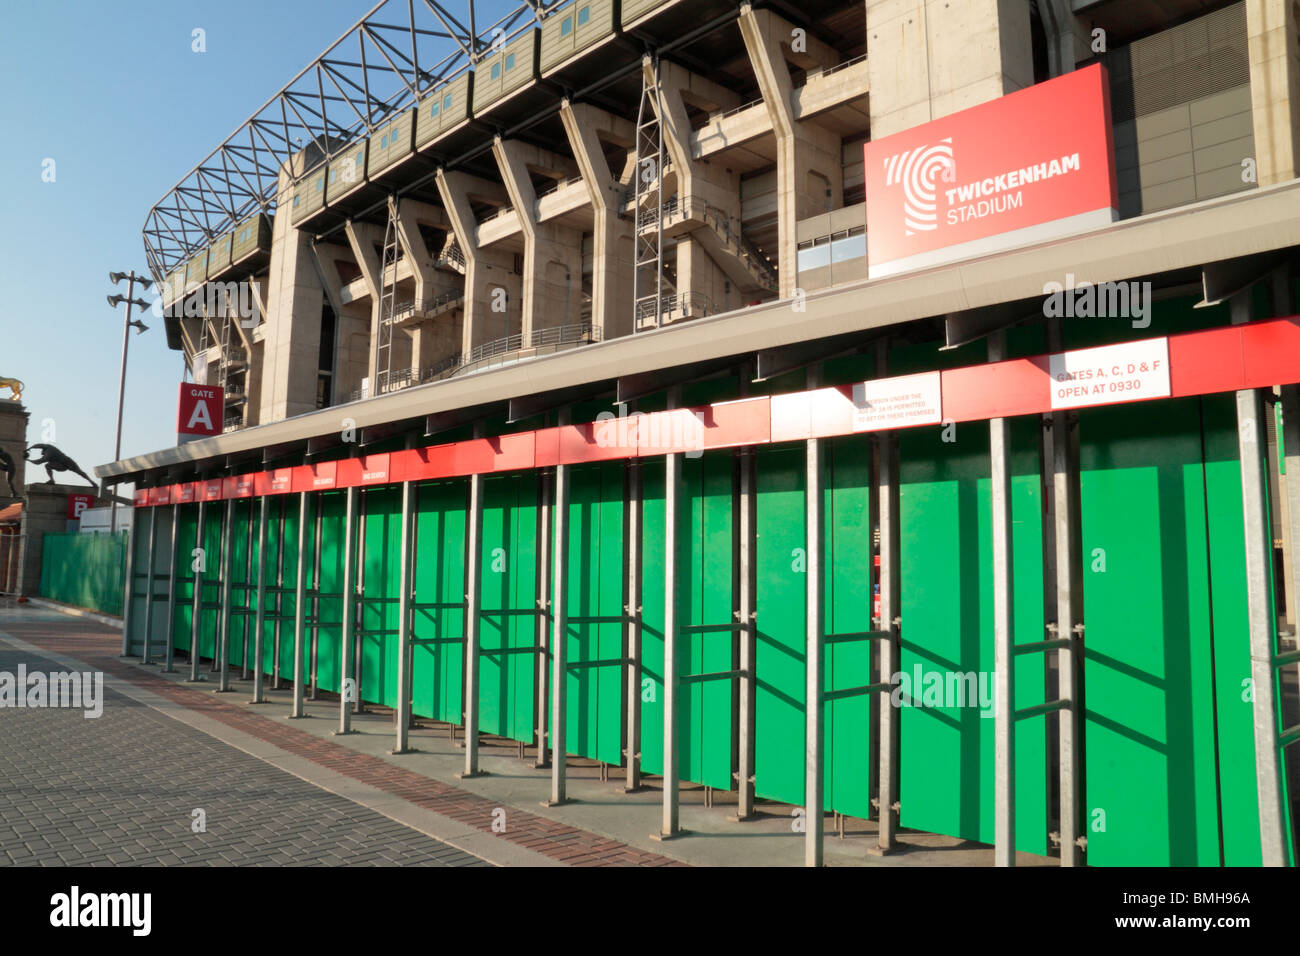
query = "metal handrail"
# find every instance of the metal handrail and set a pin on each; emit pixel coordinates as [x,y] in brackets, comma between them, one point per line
[719,117]
[835,69]
[556,187]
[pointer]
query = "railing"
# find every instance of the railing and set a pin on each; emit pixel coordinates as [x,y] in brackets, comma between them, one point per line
[686,304]
[556,187]
[719,117]
[232,423]
[725,226]
[541,341]
[834,69]
[424,308]
[236,356]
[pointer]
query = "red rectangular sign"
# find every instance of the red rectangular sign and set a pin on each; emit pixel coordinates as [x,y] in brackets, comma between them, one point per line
[210,490]
[1032,165]
[77,503]
[200,410]
[141,497]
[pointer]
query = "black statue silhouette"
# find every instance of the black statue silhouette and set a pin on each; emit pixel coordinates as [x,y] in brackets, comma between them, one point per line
[55,460]
[9,468]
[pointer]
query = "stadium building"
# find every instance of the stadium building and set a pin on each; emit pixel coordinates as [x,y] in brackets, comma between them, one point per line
[883,408]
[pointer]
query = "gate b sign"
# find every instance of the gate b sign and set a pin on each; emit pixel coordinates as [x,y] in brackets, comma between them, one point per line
[199,412]
[1030,166]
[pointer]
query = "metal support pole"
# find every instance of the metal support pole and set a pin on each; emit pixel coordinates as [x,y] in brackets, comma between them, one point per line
[148,588]
[1069,624]
[632,693]
[259,618]
[1290,454]
[1004,777]
[748,635]
[171,594]
[559,628]
[887,505]
[128,618]
[403,713]
[319,525]
[671,824]
[248,581]
[349,612]
[1259,556]
[543,615]
[473,569]
[227,564]
[358,655]
[814,758]
[196,617]
[300,610]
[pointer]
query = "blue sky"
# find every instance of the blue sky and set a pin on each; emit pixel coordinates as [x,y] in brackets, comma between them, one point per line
[114,94]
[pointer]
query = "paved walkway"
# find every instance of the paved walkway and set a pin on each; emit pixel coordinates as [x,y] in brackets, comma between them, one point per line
[311,797]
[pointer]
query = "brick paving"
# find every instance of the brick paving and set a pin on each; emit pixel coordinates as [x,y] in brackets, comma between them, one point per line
[98,646]
[121,790]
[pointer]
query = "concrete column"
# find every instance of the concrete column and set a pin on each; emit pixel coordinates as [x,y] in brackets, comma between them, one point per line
[611,268]
[1271,31]
[487,270]
[930,58]
[801,147]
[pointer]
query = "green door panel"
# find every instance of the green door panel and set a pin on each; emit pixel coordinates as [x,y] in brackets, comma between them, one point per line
[438,632]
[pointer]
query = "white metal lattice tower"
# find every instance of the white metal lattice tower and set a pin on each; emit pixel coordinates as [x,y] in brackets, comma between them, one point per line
[387,301]
[648,270]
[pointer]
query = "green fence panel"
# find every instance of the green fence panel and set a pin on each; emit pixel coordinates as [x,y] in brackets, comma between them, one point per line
[780,714]
[381,559]
[88,570]
[332,509]
[438,633]
[242,578]
[595,587]
[707,566]
[214,517]
[781,600]
[139,581]
[187,525]
[705,587]
[946,761]
[846,510]
[1169,737]
[508,594]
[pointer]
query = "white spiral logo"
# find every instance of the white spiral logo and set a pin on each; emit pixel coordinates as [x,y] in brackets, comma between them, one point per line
[918,170]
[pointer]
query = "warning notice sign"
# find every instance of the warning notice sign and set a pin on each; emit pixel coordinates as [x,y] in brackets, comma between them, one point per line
[899,402]
[1110,373]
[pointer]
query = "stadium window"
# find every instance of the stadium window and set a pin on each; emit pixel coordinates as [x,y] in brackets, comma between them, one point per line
[510,62]
[496,71]
[446,102]
[566,26]
[584,15]
[433,110]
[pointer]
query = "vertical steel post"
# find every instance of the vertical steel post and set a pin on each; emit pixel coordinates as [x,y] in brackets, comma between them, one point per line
[473,570]
[358,655]
[748,636]
[887,505]
[671,824]
[148,588]
[814,756]
[1069,625]
[128,618]
[1004,728]
[227,565]
[1259,556]
[319,524]
[543,614]
[196,617]
[559,629]
[402,715]
[171,593]
[349,621]
[248,581]
[300,610]
[632,693]
[259,618]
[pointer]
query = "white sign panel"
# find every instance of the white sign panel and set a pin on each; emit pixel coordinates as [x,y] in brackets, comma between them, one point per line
[897,402]
[1110,373]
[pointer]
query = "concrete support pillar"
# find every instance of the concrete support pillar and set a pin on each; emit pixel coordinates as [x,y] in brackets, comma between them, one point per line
[493,290]
[809,167]
[611,280]
[930,58]
[1271,42]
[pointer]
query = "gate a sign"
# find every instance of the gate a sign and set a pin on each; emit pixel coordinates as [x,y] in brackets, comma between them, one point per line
[199,412]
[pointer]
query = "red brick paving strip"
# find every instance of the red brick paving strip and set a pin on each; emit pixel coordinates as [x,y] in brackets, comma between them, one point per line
[549,837]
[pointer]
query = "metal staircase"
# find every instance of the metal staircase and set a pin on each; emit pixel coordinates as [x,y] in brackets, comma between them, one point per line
[648,268]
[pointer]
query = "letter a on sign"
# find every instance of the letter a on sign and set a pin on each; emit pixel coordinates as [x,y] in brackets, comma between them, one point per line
[198,413]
